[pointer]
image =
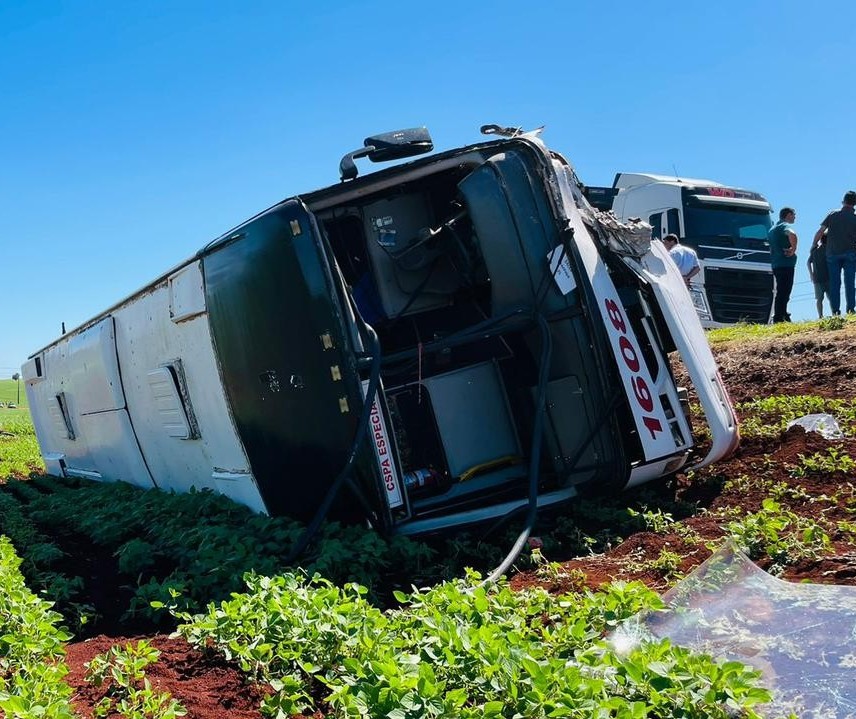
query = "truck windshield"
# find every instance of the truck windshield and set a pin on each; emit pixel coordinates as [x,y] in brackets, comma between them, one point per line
[728,233]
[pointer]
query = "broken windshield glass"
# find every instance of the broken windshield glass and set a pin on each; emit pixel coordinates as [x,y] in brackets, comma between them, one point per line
[800,636]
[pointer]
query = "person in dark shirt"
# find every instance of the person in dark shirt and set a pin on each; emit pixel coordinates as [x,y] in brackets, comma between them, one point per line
[839,227]
[783,259]
[818,272]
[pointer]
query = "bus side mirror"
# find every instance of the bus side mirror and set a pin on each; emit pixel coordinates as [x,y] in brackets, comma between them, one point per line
[387,146]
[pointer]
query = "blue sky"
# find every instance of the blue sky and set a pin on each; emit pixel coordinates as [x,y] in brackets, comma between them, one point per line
[133,133]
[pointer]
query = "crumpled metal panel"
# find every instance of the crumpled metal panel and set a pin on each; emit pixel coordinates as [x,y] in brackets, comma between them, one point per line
[631,238]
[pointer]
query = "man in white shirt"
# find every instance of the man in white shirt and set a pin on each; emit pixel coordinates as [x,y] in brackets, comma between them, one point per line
[684,257]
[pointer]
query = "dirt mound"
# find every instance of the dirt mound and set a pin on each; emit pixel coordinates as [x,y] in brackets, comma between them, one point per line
[816,363]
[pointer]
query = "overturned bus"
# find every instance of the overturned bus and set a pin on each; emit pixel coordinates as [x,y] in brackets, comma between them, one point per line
[426,347]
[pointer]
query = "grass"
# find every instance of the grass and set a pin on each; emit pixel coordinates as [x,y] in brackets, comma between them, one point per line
[743,332]
[9,392]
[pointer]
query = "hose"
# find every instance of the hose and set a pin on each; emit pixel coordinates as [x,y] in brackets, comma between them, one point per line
[570,464]
[534,454]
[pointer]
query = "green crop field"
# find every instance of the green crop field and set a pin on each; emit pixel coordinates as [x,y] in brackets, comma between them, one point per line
[397,628]
[19,450]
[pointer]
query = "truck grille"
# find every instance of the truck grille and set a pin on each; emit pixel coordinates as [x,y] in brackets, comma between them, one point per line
[738,295]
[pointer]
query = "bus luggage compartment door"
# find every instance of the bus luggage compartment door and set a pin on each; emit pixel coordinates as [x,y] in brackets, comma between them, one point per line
[84,384]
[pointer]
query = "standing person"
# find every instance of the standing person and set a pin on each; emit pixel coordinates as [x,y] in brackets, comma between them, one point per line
[818,272]
[684,257]
[840,229]
[783,259]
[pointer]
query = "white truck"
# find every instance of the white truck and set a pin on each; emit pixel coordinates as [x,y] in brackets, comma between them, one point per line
[512,341]
[726,226]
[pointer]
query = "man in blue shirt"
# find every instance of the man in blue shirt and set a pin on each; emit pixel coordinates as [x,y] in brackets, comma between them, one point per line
[783,259]
[840,229]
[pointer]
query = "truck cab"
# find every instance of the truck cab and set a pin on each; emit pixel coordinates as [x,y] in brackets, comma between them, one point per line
[726,226]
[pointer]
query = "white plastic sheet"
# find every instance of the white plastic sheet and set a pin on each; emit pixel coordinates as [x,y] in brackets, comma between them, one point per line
[802,637]
[824,424]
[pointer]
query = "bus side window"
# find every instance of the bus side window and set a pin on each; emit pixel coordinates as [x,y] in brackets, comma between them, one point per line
[66,415]
[673,222]
[656,226]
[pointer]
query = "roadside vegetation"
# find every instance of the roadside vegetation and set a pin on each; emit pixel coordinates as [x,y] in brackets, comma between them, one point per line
[743,332]
[401,629]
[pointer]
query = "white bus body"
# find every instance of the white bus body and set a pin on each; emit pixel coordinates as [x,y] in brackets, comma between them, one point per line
[495,311]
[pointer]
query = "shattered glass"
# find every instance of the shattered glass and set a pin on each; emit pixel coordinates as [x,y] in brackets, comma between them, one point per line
[802,637]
